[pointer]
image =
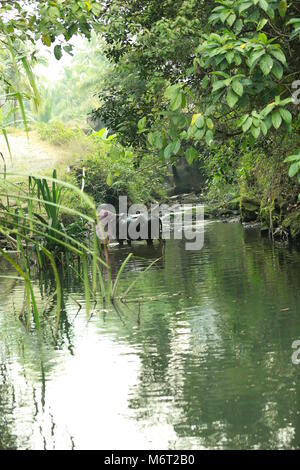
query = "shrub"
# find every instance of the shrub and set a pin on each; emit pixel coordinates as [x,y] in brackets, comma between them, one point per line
[112,170]
[56,133]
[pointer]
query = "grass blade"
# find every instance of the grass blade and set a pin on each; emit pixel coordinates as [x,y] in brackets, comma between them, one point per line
[115,288]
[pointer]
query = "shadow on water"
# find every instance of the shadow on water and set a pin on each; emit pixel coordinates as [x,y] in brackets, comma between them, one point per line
[198,357]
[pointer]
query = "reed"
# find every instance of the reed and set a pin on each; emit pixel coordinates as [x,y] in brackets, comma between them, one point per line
[31,223]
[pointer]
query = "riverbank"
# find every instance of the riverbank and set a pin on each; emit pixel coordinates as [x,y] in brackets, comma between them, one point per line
[280,223]
[253,182]
[254,185]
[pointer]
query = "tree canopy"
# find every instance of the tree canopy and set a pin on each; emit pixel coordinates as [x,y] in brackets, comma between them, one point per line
[194,72]
[185,73]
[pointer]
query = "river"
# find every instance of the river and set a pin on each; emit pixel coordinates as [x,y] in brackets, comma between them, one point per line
[200,357]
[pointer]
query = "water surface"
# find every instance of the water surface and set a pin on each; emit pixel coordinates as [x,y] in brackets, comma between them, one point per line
[199,358]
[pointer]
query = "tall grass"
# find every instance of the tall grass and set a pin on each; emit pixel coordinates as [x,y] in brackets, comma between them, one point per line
[31,223]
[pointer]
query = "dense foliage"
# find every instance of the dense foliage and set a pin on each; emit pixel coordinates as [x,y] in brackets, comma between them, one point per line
[189,73]
[149,46]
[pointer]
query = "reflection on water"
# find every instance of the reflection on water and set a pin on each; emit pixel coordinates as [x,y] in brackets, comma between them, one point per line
[203,360]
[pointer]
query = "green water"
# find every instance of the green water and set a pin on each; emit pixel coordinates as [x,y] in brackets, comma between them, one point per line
[203,360]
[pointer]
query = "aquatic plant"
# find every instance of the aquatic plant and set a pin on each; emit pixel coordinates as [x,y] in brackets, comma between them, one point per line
[31,224]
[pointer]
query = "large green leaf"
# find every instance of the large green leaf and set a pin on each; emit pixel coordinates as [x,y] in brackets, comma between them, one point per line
[218,85]
[177,146]
[237,87]
[172,149]
[264,5]
[278,54]
[232,98]
[263,128]
[209,137]
[230,57]
[292,158]
[282,8]
[255,56]
[266,64]
[242,120]
[294,169]
[245,6]
[199,122]
[46,40]
[142,123]
[191,155]
[209,123]
[276,119]
[247,124]
[277,71]
[261,24]
[286,115]
[255,131]
[172,91]
[176,102]
[231,19]
[58,52]
[109,179]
